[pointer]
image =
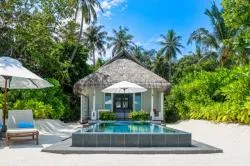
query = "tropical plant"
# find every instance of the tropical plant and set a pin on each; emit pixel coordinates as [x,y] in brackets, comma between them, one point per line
[146,57]
[213,41]
[139,115]
[220,96]
[203,40]
[87,9]
[236,15]
[171,45]
[40,109]
[137,51]
[160,66]
[121,41]
[95,39]
[43,41]
[107,116]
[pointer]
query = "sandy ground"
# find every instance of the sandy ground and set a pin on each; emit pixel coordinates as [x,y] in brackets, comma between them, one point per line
[234,139]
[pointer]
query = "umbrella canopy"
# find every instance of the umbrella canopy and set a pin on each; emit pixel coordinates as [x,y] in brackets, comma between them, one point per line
[14,76]
[124,87]
[18,77]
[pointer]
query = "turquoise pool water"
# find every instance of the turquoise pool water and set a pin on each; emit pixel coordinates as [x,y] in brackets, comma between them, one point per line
[130,127]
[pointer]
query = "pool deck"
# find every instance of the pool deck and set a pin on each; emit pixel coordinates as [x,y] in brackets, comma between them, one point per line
[64,147]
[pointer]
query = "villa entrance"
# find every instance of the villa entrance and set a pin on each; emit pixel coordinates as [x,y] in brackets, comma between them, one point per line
[122,105]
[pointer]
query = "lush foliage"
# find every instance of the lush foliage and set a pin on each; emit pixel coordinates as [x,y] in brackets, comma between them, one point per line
[237,15]
[34,33]
[40,109]
[171,45]
[48,37]
[107,116]
[95,39]
[208,43]
[222,95]
[121,41]
[139,115]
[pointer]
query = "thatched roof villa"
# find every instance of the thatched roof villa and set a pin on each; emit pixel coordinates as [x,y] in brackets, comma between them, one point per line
[122,67]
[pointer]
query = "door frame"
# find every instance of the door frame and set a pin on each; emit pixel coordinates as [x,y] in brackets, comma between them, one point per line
[130,98]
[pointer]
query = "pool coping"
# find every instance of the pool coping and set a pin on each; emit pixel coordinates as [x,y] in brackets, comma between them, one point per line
[64,147]
[87,138]
[91,124]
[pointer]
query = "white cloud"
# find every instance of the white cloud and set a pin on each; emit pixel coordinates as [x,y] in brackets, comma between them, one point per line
[152,42]
[107,13]
[107,6]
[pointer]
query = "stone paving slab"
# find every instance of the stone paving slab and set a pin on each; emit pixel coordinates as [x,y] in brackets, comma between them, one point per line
[64,147]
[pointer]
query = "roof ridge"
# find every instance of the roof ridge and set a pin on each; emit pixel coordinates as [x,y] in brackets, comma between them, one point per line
[124,54]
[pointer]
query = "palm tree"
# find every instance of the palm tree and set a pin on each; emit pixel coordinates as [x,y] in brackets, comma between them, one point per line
[213,40]
[171,45]
[159,65]
[144,56]
[138,51]
[121,41]
[87,8]
[95,39]
[203,41]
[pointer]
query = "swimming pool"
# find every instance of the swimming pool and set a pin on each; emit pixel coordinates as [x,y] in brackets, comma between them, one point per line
[130,134]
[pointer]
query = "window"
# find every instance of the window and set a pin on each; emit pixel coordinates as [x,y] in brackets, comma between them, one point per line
[137,101]
[108,101]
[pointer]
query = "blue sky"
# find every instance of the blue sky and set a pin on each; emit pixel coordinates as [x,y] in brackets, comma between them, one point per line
[147,19]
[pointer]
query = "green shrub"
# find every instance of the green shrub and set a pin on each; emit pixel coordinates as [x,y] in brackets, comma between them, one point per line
[107,116]
[139,115]
[40,110]
[51,100]
[221,96]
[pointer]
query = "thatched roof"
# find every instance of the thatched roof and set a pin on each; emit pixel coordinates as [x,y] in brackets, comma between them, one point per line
[123,67]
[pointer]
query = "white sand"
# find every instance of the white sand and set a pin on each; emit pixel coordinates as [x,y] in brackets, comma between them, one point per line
[232,138]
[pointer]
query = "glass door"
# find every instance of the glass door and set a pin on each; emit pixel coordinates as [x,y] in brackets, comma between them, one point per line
[123,104]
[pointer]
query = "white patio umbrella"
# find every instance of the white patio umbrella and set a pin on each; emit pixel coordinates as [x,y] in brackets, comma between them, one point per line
[124,87]
[14,76]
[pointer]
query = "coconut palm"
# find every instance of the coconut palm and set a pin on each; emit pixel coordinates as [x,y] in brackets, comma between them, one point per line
[213,40]
[87,9]
[144,56]
[159,65]
[121,41]
[95,39]
[171,45]
[203,40]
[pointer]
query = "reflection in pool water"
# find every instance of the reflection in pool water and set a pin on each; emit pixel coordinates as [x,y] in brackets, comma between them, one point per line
[129,127]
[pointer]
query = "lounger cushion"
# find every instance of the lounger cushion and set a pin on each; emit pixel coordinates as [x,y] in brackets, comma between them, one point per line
[17,131]
[25,125]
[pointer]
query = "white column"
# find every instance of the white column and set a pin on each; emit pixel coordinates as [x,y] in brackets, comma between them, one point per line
[112,102]
[94,111]
[152,104]
[162,106]
[133,101]
[81,108]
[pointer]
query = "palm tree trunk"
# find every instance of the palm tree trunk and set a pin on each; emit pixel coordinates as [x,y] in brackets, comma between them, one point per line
[78,41]
[77,8]
[93,55]
[169,71]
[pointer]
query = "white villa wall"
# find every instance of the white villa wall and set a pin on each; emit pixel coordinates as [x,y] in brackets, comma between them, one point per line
[146,100]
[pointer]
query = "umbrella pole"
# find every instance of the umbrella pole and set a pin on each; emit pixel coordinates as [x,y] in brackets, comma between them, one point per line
[4,127]
[123,103]
[4,100]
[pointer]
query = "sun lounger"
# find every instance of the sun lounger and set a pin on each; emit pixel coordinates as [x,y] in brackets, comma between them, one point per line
[21,124]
